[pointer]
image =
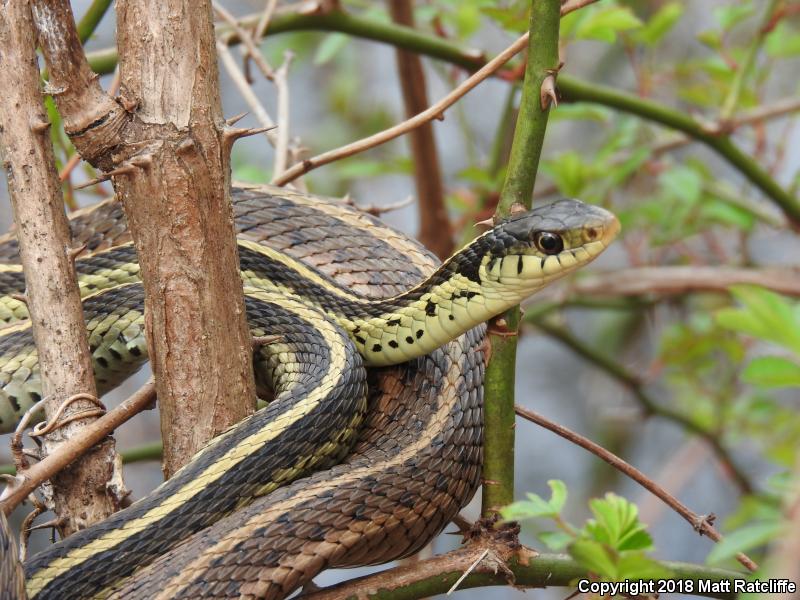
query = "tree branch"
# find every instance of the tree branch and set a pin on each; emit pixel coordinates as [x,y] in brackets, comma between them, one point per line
[92,489]
[169,151]
[435,229]
[675,280]
[703,524]
[542,67]
[68,452]
[437,575]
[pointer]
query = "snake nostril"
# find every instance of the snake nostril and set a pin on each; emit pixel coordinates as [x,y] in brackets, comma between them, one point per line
[590,234]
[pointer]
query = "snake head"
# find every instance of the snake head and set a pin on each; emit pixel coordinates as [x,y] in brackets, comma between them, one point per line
[530,249]
[563,226]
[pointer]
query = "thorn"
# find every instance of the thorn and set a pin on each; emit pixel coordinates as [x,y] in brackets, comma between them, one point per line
[125,169]
[39,125]
[20,297]
[236,118]
[72,253]
[129,105]
[185,146]
[547,92]
[265,340]
[377,211]
[143,161]
[231,134]
[486,223]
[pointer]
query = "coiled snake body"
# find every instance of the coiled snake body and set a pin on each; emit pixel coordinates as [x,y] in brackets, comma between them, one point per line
[253,515]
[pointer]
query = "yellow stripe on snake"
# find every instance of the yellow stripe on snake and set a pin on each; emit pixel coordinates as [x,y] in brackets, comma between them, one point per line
[267,505]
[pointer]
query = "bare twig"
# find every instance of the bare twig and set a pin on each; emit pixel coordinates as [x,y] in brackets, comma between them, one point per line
[434,112]
[69,451]
[573,5]
[701,523]
[281,82]
[249,47]
[258,110]
[680,280]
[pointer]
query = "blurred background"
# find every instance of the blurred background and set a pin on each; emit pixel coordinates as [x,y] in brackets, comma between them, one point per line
[695,388]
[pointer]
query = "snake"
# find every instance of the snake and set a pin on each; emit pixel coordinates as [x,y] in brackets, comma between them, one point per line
[372,441]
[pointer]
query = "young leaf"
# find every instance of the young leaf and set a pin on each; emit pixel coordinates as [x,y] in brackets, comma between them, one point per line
[604,24]
[745,539]
[595,557]
[659,24]
[772,371]
[617,524]
[765,315]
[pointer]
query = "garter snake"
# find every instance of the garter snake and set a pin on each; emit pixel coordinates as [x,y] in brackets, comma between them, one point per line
[341,289]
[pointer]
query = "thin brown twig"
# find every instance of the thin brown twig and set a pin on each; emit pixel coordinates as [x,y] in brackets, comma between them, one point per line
[436,111]
[239,80]
[280,79]
[672,280]
[69,451]
[249,47]
[701,523]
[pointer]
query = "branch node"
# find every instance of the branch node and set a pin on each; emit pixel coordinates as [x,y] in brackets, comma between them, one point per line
[129,105]
[702,522]
[185,146]
[40,126]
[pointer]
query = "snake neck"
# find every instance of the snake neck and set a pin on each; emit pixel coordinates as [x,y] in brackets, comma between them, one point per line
[466,290]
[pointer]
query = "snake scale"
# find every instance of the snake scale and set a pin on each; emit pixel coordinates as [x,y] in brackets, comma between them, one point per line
[344,467]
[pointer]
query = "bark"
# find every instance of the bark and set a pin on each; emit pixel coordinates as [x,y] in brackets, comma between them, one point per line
[435,229]
[165,143]
[91,488]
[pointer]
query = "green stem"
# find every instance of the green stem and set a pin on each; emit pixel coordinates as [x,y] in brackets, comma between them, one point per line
[650,406]
[578,91]
[526,148]
[91,19]
[732,99]
[544,570]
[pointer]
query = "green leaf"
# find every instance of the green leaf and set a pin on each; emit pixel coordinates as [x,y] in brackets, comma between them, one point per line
[594,557]
[765,315]
[580,111]
[330,47]
[535,506]
[730,15]
[744,539]
[617,524]
[783,41]
[659,24]
[604,24]
[682,182]
[555,540]
[772,371]
[636,565]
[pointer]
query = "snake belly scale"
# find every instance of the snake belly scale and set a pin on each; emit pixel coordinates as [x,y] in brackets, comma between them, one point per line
[252,515]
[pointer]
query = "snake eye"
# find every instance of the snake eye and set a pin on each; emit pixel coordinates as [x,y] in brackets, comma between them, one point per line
[547,242]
